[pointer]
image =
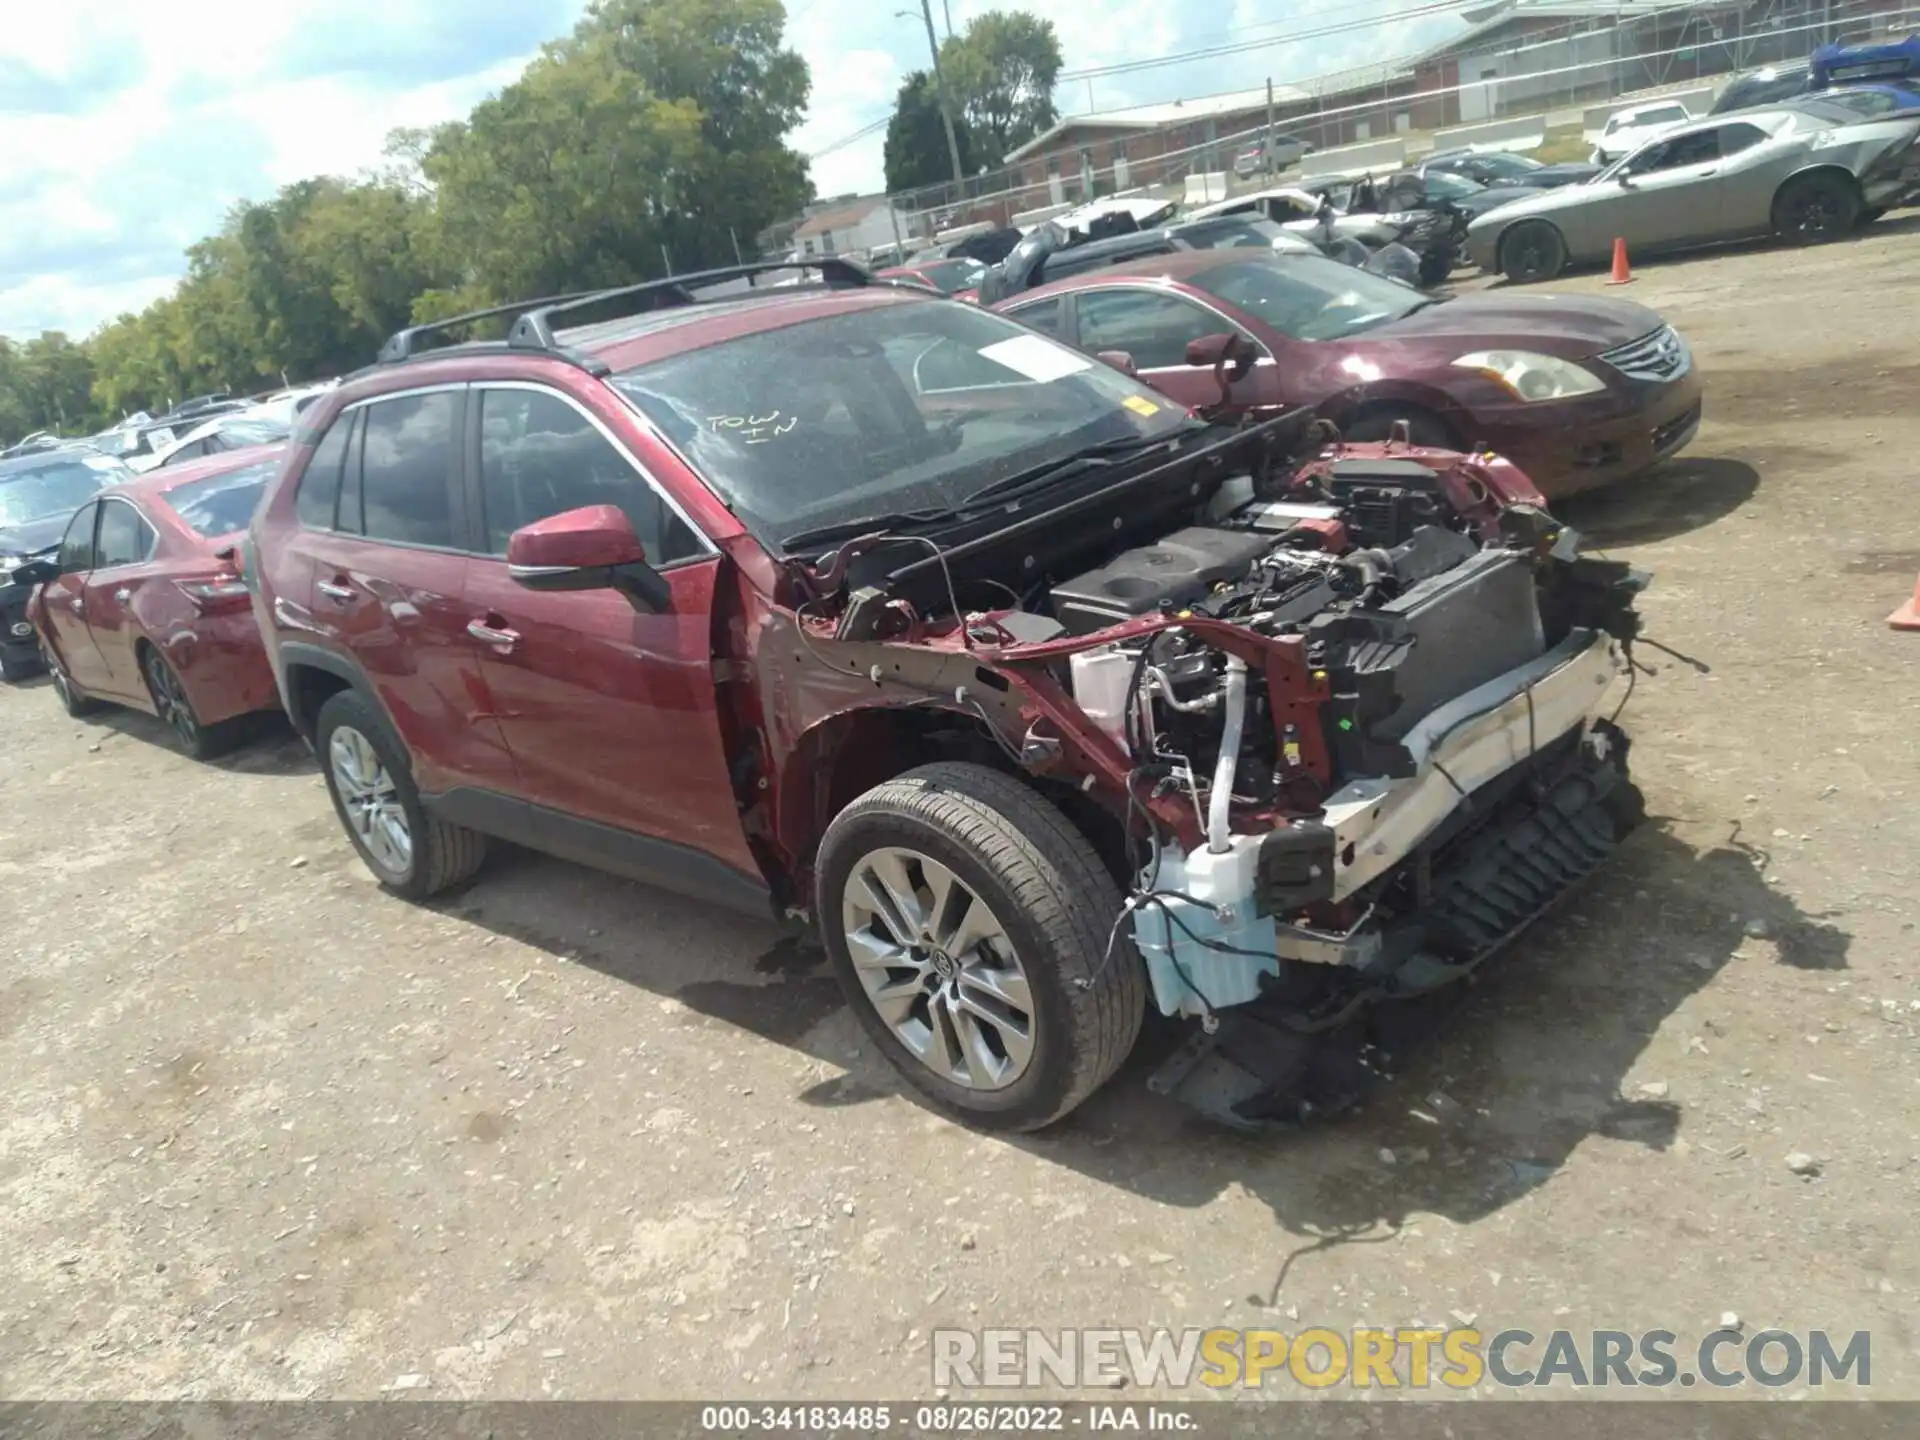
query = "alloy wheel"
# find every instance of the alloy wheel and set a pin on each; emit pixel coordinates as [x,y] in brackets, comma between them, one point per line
[1817,214]
[170,699]
[939,969]
[371,800]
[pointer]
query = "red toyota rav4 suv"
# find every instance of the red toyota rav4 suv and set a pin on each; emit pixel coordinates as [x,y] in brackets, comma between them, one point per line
[1037,695]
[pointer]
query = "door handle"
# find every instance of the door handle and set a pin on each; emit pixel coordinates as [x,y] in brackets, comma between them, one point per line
[334,592]
[123,594]
[501,639]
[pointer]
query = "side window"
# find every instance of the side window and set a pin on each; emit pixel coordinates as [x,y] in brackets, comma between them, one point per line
[320,485]
[539,457]
[405,471]
[1695,149]
[1153,328]
[1043,315]
[76,548]
[125,537]
[1735,138]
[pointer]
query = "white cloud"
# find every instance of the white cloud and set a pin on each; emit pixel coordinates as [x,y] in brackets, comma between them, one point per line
[128,128]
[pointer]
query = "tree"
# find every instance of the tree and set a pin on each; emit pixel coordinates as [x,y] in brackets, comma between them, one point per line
[653,133]
[916,148]
[1002,69]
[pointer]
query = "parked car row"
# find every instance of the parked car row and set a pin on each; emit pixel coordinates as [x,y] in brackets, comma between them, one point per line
[905,620]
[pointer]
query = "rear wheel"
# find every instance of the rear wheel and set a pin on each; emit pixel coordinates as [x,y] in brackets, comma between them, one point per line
[1532,250]
[409,852]
[968,922]
[172,704]
[13,670]
[1815,209]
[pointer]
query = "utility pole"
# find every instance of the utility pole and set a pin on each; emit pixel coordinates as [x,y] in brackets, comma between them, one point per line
[946,109]
[946,9]
[1266,160]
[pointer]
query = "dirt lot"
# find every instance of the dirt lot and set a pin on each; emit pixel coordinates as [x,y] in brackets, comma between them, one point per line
[271,1133]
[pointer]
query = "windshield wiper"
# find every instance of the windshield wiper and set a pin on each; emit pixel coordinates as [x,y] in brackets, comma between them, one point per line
[1091,458]
[905,520]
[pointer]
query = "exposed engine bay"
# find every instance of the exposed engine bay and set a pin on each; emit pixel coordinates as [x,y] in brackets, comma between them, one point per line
[1356,718]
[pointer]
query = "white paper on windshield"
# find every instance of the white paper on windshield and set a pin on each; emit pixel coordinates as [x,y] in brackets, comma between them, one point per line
[100,462]
[1035,358]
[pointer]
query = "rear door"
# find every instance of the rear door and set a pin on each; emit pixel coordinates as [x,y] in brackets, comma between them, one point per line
[123,564]
[611,714]
[388,574]
[63,602]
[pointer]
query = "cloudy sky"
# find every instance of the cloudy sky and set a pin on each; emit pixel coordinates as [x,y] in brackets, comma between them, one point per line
[128,128]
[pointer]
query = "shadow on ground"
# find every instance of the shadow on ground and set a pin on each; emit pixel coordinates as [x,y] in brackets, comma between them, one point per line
[1530,1067]
[1672,499]
[264,744]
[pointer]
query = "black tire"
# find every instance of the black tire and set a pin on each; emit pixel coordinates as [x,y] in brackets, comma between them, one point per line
[1423,427]
[14,671]
[1531,251]
[441,855]
[73,700]
[1054,899]
[174,706]
[1816,209]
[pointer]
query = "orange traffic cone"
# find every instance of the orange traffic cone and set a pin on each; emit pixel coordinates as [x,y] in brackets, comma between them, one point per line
[1621,274]
[1907,617]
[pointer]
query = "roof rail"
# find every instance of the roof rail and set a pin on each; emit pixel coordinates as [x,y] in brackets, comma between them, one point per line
[534,330]
[404,344]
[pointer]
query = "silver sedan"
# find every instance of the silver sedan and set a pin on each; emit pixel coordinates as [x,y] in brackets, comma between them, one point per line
[1807,171]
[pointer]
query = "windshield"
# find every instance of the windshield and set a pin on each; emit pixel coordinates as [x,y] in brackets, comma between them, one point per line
[893,408]
[222,504]
[948,276]
[1447,186]
[253,432]
[1504,164]
[1658,115]
[59,487]
[1309,297]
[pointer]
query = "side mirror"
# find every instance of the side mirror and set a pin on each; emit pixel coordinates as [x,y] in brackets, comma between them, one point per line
[36,572]
[1228,354]
[1623,180]
[593,548]
[1121,360]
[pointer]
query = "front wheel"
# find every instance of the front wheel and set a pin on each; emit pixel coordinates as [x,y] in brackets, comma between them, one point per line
[1816,209]
[71,700]
[409,852]
[1531,251]
[968,922]
[13,671]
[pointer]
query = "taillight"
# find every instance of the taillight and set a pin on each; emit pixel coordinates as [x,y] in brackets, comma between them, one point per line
[224,593]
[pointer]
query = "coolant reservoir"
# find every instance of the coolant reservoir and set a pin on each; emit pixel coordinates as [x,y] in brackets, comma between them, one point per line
[1100,682]
[1189,977]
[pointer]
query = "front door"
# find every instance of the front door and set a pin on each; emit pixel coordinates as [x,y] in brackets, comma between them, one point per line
[63,601]
[1154,327]
[1664,200]
[388,576]
[610,713]
[122,565]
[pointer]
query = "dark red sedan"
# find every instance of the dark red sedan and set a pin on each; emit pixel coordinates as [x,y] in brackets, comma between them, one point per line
[145,606]
[1579,391]
[957,275]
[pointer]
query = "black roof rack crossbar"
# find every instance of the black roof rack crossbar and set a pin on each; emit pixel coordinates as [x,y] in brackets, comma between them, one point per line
[534,330]
[404,344]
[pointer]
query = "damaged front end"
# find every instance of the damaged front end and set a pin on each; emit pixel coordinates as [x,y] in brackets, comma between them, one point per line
[1354,718]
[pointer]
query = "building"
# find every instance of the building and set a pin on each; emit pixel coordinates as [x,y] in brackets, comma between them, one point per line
[1081,156]
[1522,56]
[850,225]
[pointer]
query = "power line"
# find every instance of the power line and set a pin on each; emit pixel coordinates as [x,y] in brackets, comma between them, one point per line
[1342,27]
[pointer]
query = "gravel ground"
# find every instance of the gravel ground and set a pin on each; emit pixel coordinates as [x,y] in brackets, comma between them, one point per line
[274,1134]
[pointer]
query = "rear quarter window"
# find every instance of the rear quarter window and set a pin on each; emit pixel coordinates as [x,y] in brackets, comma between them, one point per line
[320,482]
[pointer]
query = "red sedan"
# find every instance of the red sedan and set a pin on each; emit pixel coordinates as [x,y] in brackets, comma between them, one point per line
[958,275]
[145,606]
[1577,390]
